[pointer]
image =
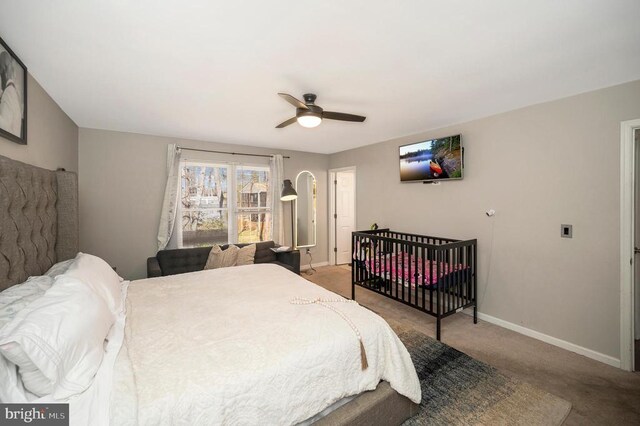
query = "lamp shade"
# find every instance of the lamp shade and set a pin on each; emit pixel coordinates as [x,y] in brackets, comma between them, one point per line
[309,121]
[288,193]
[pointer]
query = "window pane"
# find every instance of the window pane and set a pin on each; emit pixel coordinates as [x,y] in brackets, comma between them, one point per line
[204,227]
[252,186]
[204,187]
[254,227]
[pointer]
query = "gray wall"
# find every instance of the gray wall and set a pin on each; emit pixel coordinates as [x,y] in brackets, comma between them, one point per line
[52,137]
[539,167]
[122,187]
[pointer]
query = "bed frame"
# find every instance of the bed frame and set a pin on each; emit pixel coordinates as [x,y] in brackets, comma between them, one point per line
[401,266]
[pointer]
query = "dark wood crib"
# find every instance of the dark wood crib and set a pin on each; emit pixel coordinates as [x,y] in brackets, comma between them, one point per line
[435,275]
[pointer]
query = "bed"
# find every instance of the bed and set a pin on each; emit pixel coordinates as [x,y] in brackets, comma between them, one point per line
[432,274]
[244,345]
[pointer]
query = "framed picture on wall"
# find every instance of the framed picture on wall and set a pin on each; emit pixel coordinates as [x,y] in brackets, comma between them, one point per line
[13,96]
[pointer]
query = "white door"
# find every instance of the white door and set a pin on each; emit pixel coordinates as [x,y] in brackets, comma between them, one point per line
[345,214]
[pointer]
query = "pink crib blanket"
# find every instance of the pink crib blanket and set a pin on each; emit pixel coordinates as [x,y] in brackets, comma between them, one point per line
[385,266]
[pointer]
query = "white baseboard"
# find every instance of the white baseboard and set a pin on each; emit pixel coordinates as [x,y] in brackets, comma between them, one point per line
[609,360]
[315,265]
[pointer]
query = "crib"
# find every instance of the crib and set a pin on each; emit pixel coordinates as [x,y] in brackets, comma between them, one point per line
[435,275]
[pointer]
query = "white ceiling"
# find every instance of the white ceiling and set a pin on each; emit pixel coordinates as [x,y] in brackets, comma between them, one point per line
[210,70]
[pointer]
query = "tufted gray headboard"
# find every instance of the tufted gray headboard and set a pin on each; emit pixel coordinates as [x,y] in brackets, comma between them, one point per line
[38,220]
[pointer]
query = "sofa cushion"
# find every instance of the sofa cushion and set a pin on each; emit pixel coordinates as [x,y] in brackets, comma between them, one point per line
[264,254]
[179,261]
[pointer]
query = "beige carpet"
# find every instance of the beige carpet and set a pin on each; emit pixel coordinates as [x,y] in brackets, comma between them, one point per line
[599,394]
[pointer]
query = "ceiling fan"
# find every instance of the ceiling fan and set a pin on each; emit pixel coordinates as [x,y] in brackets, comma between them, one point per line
[308,114]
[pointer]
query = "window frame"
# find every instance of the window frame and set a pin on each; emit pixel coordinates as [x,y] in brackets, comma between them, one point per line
[233,211]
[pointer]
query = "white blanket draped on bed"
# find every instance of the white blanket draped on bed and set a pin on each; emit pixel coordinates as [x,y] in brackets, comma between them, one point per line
[226,346]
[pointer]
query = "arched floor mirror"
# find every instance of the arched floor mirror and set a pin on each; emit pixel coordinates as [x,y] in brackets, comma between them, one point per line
[305,210]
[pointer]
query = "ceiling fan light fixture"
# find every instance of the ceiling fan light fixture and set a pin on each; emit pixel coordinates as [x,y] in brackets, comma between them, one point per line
[309,120]
[310,115]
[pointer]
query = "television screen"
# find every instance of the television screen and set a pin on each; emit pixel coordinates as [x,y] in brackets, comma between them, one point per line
[435,159]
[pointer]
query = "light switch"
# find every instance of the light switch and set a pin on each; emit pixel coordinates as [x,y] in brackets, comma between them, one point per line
[566,231]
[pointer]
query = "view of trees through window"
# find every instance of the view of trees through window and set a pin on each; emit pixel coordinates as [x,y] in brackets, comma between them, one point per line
[211,214]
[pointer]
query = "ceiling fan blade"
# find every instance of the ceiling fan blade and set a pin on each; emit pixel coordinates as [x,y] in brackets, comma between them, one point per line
[293,101]
[286,123]
[342,116]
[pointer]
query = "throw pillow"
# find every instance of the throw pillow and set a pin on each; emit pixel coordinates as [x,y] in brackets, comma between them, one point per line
[219,258]
[246,255]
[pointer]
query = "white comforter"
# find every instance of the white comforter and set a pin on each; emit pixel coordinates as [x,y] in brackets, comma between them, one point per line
[226,346]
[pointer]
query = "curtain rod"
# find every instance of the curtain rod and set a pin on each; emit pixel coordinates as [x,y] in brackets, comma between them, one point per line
[228,152]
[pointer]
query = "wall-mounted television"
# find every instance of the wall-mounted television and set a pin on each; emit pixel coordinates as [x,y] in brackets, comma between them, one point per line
[432,160]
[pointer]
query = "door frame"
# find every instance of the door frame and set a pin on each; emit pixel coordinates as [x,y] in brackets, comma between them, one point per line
[627,237]
[332,208]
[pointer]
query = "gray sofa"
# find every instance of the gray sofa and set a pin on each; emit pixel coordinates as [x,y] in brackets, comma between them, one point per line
[179,261]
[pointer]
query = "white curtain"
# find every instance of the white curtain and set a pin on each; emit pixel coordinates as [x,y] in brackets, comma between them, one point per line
[277,173]
[171,194]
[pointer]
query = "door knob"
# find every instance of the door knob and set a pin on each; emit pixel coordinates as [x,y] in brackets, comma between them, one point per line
[636,250]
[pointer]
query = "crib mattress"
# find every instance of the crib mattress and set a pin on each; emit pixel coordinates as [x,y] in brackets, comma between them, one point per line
[401,267]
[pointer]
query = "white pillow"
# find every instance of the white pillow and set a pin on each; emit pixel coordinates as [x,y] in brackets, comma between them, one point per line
[38,383]
[59,268]
[11,386]
[101,277]
[59,338]
[19,296]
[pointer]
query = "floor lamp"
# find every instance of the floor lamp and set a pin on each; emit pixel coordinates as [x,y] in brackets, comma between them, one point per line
[289,194]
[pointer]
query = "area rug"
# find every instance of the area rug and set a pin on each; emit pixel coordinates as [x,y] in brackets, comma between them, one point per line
[460,390]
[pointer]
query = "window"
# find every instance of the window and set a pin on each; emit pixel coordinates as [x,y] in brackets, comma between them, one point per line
[223,203]
[253,215]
